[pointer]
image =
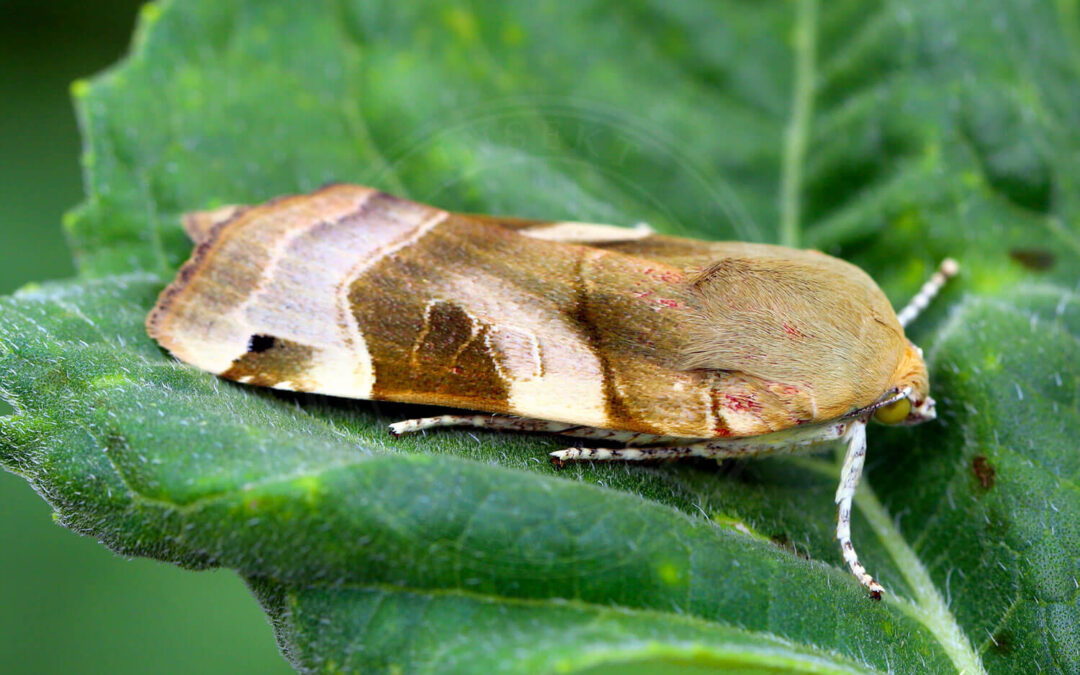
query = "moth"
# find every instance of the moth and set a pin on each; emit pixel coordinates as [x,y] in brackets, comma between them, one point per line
[662,346]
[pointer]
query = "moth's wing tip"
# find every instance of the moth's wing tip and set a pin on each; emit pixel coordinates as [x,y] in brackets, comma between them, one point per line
[198,224]
[157,323]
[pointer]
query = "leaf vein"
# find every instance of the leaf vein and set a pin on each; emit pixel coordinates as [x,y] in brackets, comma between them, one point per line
[797,134]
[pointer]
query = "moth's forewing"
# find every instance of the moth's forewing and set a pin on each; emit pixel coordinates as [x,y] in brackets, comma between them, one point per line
[351,292]
[197,224]
[271,271]
[815,334]
[804,319]
[354,293]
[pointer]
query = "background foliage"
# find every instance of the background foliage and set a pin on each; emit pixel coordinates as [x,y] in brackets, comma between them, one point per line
[890,133]
[70,605]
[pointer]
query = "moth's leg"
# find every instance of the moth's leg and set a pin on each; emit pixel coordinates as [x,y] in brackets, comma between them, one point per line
[645,454]
[502,422]
[947,268]
[708,449]
[511,423]
[560,457]
[798,440]
[849,480]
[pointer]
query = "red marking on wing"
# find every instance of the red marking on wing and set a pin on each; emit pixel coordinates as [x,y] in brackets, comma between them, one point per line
[666,276]
[741,403]
[657,303]
[793,331]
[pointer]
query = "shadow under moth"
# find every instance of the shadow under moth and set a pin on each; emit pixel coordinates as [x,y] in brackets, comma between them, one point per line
[667,347]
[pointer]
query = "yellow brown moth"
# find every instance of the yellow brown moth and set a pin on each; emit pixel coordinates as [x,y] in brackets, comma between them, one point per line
[670,347]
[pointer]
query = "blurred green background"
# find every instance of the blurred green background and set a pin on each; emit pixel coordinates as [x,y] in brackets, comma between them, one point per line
[68,604]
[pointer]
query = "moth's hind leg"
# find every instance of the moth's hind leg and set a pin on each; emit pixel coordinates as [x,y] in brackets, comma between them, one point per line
[511,423]
[500,422]
[628,454]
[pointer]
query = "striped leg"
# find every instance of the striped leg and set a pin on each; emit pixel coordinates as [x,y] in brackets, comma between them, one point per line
[560,457]
[511,423]
[849,480]
[800,439]
[504,422]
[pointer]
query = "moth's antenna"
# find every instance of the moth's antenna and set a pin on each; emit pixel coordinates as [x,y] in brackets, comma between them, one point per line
[849,480]
[947,268]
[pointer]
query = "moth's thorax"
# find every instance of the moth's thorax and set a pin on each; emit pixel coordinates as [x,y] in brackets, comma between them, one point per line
[799,319]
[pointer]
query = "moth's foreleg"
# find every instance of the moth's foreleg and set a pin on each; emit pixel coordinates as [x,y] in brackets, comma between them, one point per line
[849,481]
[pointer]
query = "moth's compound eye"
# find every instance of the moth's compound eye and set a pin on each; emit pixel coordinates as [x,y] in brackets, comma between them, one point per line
[894,413]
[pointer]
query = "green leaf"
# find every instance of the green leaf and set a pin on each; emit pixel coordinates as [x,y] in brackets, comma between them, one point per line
[916,131]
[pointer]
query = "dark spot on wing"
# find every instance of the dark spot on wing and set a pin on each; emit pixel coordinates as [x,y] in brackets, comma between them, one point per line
[271,360]
[260,343]
[449,362]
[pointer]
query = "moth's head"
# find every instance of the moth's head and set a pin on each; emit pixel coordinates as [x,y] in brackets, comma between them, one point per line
[908,399]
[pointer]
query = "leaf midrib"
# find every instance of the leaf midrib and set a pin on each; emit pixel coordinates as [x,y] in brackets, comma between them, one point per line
[927,607]
[797,133]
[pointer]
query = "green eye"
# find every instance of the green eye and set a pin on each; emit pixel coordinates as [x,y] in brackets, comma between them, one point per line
[893,413]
